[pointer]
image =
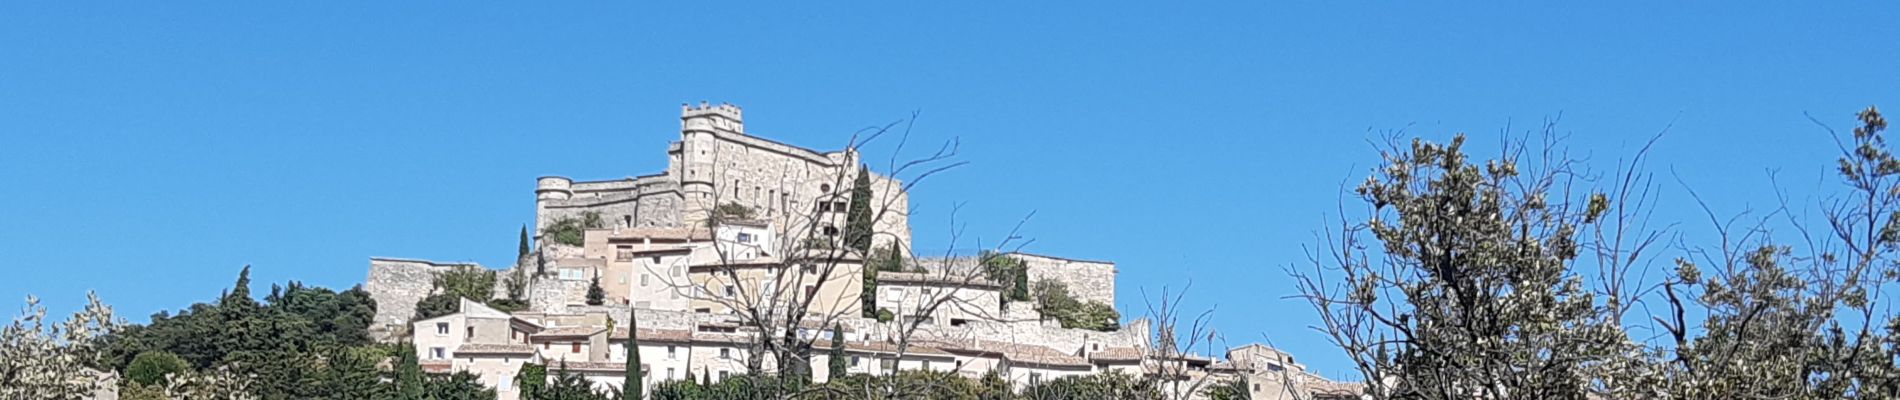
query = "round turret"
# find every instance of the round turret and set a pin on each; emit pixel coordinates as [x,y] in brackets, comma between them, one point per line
[553,188]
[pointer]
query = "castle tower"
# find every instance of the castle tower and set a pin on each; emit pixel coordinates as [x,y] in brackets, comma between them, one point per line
[698,153]
[546,189]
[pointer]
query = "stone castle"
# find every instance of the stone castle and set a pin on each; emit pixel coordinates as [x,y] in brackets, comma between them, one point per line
[737,223]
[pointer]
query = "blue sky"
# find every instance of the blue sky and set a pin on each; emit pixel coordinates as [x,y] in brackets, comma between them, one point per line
[153,148]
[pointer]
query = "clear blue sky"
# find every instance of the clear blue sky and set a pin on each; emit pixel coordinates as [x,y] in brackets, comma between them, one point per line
[153,148]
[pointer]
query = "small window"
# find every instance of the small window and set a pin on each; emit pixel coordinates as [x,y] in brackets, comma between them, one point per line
[643,280]
[471,333]
[442,329]
[926,365]
[438,353]
[671,352]
[745,237]
[577,347]
[669,373]
[831,231]
[656,259]
[725,353]
[810,291]
[855,360]
[824,188]
[722,375]
[731,291]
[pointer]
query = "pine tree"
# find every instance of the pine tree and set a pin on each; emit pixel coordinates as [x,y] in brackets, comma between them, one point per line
[635,385]
[857,228]
[524,243]
[241,292]
[596,295]
[838,364]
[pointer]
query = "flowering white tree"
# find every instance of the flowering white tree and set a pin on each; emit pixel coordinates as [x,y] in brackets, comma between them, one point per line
[40,359]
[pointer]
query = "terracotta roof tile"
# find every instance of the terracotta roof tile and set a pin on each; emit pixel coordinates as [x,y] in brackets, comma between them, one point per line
[1117,354]
[487,348]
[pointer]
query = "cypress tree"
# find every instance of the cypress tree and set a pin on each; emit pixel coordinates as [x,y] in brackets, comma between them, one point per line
[857,227]
[524,242]
[409,375]
[838,364]
[635,385]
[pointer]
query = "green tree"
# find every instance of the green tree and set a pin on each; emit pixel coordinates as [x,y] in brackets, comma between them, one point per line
[858,219]
[409,381]
[634,387]
[458,386]
[151,367]
[571,231]
[837,363]
[1231,389]
[569,386]
[595,294]
[1011,272]
[1054,301]
[532,379]
[524,249]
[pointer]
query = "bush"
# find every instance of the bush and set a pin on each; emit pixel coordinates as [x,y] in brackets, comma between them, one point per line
[571,231]
[733,212]
[885,315]
[151,367]
[1054,301]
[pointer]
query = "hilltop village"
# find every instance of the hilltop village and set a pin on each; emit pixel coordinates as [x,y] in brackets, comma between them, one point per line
[745,250]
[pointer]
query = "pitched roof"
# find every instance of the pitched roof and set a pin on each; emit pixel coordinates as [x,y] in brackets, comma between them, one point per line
[492,348]
[1117,354]
[436,366]
[475,309]
[590,366]
[655,335]
[1021,353]
[941,279]
[571,331]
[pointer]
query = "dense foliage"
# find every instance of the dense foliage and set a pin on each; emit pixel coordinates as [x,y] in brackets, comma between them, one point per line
[300,342]
[1011,272]
[571,231]
[1055,302]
